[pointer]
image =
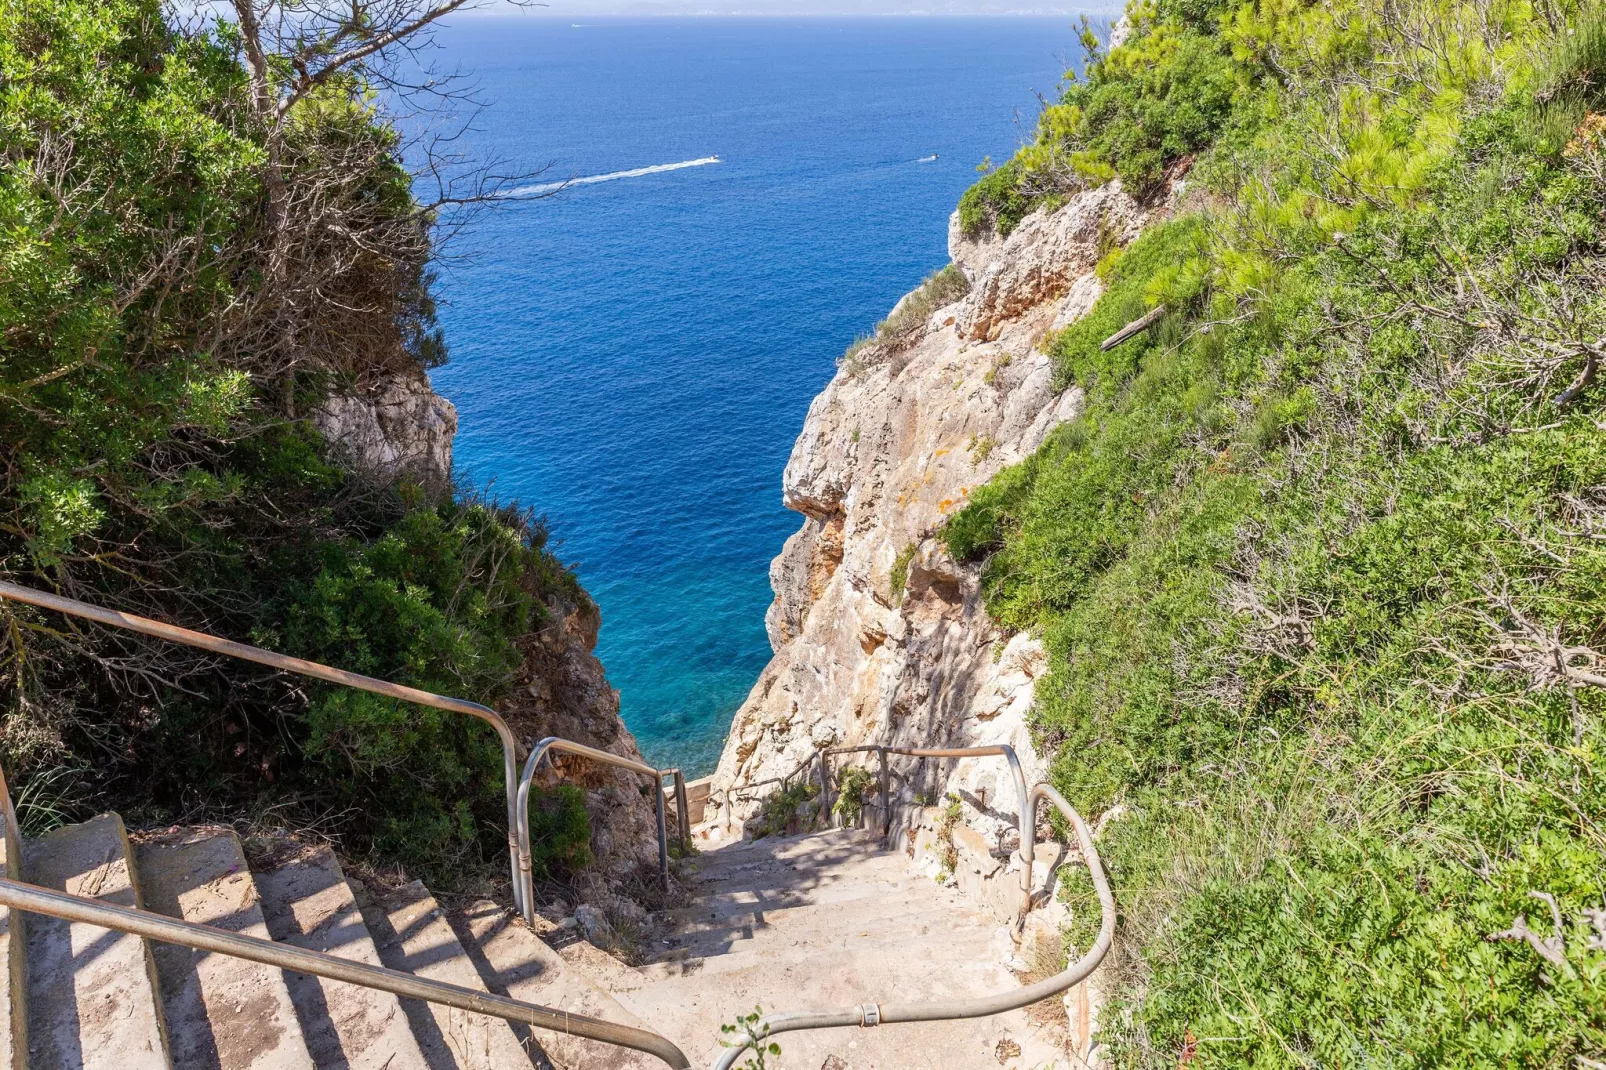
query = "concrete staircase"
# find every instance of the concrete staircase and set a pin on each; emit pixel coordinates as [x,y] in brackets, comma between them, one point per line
[829,920]
[85,998]
[816,921]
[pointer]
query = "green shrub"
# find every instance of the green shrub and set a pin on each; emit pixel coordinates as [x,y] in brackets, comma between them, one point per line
[900,569]
[995,204]
[855,782]
[779,809]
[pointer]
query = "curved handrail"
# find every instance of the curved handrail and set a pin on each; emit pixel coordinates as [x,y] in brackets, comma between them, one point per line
[152,926]
[872,1014]
[1024,822]
[172,633]
[524,875]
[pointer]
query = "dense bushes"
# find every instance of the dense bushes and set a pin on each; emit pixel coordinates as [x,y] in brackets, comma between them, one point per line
[995,203]
[165,335]
[1127,115]
[1319,567]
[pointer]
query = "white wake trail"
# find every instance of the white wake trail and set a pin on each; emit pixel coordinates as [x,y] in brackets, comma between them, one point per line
[635,172]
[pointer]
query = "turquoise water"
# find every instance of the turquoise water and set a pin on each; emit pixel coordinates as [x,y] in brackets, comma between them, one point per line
[634,357]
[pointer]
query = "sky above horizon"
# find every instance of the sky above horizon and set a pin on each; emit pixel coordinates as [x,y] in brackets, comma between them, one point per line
[602,8]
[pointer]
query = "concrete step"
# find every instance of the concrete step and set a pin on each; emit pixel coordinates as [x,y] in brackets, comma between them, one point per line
[412,934]
[221,1011]
[92,992]
[515,962]
[956,963]
[13,962]
[787,943]
[869,895]
[306,902]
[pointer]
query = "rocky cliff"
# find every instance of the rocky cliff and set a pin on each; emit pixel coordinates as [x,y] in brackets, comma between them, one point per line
[879,635]
[399,426]
[396,426]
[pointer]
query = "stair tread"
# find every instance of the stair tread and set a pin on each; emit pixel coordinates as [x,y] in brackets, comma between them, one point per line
[515,961]
[306,902]
[221,1011]
[92,994]
[832,920]
[412,934]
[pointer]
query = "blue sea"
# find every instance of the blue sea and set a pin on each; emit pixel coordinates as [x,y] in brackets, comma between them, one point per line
[634,357]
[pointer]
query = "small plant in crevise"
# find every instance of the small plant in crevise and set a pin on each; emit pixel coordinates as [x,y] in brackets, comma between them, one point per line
[900,569]
[849,805]
[951,812]
[907,322]
[747,1033]
[777,811]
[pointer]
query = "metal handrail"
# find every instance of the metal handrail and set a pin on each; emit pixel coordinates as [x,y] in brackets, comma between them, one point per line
[145,626]
[524,875]
[19,895]
[1024,822]
[873,1014]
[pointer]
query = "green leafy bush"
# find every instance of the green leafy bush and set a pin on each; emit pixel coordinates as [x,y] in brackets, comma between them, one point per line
[779,809]
[856,781]
[995,203]
[162,352]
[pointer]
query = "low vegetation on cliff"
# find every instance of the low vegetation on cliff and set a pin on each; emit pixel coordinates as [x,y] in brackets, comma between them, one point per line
[1322,566]
[204,236]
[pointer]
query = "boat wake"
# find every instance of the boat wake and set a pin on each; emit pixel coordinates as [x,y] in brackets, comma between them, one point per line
[611,176]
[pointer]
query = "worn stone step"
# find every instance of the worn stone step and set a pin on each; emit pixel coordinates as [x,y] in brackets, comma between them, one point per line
[13,957]
[92,992]
[874,896]
[515,962]
[306,902]
[800,942]
[814,975]
[221,1011]
[412,934]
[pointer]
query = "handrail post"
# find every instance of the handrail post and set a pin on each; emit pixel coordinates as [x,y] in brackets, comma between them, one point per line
[525,900]
[663,836]
[825,787]
[1026,823]
[518,848]
[683,811]
[886,796]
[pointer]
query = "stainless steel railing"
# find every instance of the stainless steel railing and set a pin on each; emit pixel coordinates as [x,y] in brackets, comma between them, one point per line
[1024,822]
[875,1014]
[517,788]
[33,899]
[243,652]
[525,872]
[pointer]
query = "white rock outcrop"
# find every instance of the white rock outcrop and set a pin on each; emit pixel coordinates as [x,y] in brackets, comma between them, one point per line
[889,452]
[398,425]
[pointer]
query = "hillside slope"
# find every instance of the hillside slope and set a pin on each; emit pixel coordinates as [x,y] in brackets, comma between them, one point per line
[1304,588]
[1319,567]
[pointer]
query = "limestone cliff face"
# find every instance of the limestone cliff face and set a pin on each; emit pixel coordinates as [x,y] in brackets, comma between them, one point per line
[397,426]
[886,455]
[562,691]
